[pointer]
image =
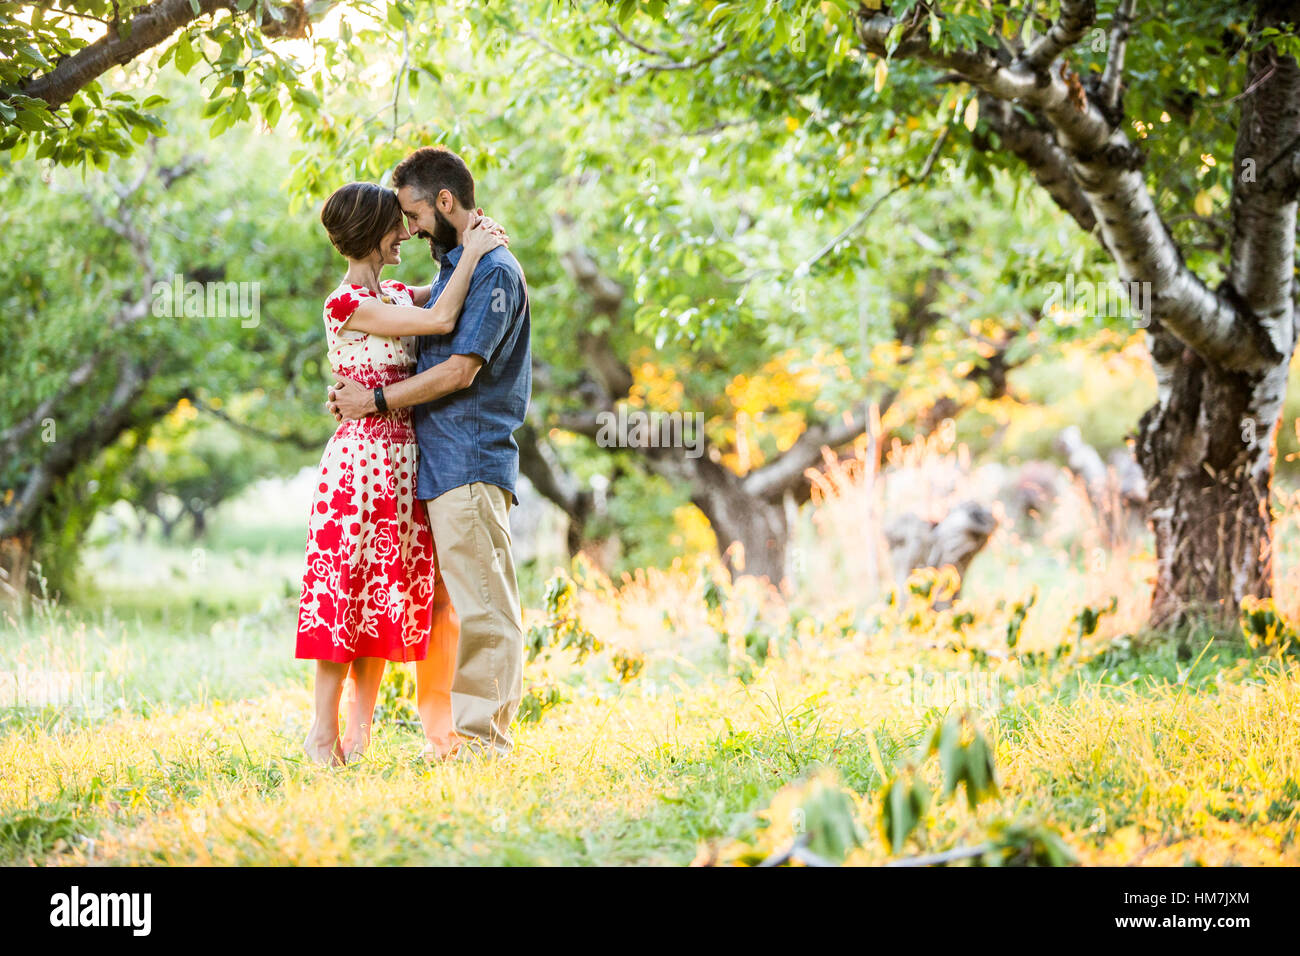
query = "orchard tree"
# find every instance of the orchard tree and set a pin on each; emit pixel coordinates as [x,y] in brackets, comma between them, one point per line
[55,54]
[191,462]
[669,273]
[1167,133]
[105,349]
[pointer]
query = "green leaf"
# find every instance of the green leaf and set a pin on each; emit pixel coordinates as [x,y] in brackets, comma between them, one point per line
[185,55]
[950,755]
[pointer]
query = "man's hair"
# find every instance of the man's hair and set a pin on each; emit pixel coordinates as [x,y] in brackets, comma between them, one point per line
[431,169]
[358,216]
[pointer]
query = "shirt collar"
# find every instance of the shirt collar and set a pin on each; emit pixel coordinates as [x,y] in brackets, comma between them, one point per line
[452,256]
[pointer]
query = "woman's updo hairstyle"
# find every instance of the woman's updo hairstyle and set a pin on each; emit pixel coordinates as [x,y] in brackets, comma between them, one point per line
[358,216]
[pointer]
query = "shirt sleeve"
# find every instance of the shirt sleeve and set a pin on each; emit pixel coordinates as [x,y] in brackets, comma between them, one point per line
[490,305]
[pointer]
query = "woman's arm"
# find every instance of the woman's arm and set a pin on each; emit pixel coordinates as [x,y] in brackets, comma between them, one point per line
[381,318]
[395,321]
[419,294]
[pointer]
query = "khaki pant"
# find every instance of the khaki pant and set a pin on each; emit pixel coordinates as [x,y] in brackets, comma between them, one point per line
[471,535]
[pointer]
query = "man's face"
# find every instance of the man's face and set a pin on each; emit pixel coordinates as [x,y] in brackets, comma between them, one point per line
[428,222]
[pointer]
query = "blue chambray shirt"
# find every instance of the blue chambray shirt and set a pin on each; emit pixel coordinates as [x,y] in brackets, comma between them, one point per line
[469,435]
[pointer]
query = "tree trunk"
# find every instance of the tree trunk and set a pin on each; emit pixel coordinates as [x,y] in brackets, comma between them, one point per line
[915,542]
[1207,451]
[15,563]
[759,526]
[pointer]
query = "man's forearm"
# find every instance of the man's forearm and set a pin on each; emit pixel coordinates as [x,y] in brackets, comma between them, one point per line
[431,384]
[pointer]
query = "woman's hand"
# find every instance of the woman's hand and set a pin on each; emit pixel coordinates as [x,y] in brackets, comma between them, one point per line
[484,235]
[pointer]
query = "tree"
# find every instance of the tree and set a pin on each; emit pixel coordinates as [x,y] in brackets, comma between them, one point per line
[50,90]
[1221,354]
[192,462]
[1170,139]
[170,280]
[1166,136]
[697,273]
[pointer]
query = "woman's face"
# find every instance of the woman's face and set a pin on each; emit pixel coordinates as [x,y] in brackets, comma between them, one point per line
[390,248]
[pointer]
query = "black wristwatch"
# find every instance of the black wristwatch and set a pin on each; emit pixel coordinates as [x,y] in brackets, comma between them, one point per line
[381,406]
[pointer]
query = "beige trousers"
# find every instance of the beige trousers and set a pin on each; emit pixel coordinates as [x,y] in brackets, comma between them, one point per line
[471,535]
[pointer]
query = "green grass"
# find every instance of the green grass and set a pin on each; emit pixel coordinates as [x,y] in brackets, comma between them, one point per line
[1140,750]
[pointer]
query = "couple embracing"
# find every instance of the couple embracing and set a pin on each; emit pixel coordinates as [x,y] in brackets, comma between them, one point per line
[408,546]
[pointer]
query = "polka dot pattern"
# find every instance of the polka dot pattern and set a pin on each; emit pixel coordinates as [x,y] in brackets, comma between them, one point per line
[368,587]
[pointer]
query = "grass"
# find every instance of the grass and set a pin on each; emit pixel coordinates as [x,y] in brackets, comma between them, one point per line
[1148,763]
[1136,750]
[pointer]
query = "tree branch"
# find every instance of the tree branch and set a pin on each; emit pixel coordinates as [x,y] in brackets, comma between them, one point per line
[1046,161]
[666,60]
[905,181]
[606,297]
[1107,168]
[1076,17]
[117,415]
[538,463]
[296,439]
[1113,77]
[1262,213]
[148,28]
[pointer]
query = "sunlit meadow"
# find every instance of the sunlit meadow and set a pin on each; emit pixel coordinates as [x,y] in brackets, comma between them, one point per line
[700,722]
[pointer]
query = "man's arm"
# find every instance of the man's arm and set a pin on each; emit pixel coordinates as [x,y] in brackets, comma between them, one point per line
[491,301]
[350,401]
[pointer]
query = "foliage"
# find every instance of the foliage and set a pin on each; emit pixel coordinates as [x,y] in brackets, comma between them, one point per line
[1016,624]
[80,327]
[537,700]
[705,200]
[396,703]
[627,665]
[1087,619]
[234,50]
[562,628]
[965,759]
[1264,628]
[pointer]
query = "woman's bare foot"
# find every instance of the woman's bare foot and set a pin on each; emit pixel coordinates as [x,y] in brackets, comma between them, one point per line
[355,743]
[327,752]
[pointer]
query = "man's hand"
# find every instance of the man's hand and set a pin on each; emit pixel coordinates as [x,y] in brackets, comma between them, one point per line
[349,401]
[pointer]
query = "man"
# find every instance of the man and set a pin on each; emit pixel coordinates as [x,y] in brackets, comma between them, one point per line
[468,395]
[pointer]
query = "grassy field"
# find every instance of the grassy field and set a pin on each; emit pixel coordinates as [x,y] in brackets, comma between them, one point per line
[742,720]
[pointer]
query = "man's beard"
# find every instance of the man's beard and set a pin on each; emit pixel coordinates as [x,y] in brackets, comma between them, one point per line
[444,237]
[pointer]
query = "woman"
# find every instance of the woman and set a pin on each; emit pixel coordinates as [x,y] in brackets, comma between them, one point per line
[368,594]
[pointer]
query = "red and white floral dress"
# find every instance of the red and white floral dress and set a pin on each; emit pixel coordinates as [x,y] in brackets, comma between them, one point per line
[368,587]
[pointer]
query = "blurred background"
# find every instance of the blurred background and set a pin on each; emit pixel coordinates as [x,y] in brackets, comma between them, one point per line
[820,258]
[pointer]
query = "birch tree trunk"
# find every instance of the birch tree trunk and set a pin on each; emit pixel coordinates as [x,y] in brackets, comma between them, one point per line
[1207,451]
[1220,354]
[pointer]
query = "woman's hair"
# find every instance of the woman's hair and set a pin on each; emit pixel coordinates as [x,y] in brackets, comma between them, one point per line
[358,216]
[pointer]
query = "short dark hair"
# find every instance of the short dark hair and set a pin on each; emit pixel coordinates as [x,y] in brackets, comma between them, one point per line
[358,216]
[431,169]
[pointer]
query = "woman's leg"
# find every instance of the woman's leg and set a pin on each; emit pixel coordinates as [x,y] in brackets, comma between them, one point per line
[322,744]
[434,674]
[367,673]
